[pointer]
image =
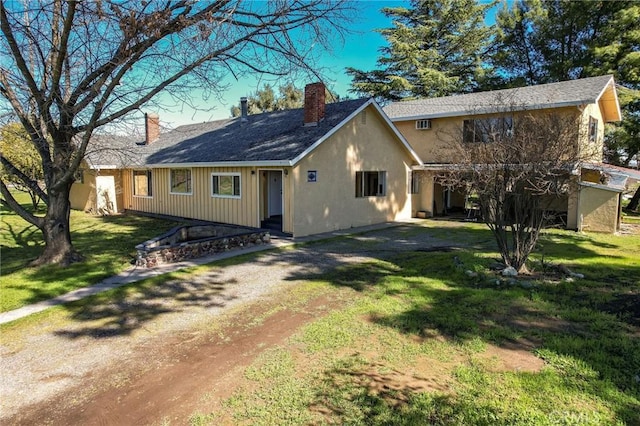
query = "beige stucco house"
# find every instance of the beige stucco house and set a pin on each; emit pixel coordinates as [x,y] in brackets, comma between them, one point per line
[430,125]
[306,171]
[336,166]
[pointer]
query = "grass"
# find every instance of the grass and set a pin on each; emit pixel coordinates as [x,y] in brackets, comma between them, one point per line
[416,344]
[630,217]
[415,340]
[106,242]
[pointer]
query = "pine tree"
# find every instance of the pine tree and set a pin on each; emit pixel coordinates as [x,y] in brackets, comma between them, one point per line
[435,48]
[545,41]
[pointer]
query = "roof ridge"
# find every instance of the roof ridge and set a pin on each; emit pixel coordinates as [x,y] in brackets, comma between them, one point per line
[509,89]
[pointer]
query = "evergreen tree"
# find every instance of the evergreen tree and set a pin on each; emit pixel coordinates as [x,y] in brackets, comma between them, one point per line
[265,100]
[435,49]
[545,41]
[290,97]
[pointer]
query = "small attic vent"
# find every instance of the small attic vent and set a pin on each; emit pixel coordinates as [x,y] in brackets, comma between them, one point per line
[423,124]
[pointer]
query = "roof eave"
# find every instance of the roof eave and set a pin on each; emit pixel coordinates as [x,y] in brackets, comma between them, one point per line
[611,188]
[482,111]
[611,107]
[266,163]
[102,166]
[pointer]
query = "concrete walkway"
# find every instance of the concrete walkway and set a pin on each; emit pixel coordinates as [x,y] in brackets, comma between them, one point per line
[135,274]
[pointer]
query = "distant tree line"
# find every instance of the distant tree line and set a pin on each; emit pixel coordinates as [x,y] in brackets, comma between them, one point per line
[288,97]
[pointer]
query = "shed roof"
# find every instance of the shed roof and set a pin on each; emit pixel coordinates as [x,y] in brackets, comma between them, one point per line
[553,95]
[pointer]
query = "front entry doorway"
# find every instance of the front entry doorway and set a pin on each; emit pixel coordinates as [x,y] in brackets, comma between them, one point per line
[273,199]
[106,195]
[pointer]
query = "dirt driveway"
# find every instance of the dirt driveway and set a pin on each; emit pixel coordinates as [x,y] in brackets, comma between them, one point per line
[149,357]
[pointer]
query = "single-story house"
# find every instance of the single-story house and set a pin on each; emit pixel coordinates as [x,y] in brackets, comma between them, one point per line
[320,168]
[430,124]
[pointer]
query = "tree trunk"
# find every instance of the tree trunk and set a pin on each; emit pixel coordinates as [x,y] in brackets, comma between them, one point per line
[55,230]
[635,200]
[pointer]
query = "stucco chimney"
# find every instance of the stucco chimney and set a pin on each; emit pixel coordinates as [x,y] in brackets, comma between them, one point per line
[244,108]
[152,127]
[314,99]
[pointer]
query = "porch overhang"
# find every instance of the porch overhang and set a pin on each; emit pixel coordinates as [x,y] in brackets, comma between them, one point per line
[608,187]
[613,170]
[439,167]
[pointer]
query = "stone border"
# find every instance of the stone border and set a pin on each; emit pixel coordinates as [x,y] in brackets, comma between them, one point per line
[150,254]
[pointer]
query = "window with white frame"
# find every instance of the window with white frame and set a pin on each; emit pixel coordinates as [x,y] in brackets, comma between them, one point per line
[371,184]
[142,186]
[225,185]
[180,181]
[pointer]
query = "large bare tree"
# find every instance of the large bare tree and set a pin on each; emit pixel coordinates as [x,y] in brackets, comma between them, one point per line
[520,167]
[68,68]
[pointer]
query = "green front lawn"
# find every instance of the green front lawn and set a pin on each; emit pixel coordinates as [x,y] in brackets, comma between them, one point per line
[420,342]
[409,338]
[106,242]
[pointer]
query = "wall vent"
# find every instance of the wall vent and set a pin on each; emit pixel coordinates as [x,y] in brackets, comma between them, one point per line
[423,124]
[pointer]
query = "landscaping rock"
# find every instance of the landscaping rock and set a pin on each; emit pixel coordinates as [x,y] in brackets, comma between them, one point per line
[497,266]
[509,271]
[150,255]
[470,273]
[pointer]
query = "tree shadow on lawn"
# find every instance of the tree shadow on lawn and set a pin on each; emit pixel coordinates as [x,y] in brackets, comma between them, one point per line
[28,237]
[108,243]
[566,322]
[131,308]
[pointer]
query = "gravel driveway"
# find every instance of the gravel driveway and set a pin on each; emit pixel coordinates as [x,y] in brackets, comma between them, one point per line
[42,360]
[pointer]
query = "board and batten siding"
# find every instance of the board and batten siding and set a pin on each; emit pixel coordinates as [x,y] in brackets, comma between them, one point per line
[199,204]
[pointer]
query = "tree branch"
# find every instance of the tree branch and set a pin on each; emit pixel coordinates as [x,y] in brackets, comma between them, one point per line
[11,202]
[30,183]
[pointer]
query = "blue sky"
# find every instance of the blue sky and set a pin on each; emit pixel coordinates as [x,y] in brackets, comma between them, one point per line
[359,50]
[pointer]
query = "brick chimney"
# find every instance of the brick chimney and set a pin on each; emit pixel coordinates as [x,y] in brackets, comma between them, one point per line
[152,127]
[314,99]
